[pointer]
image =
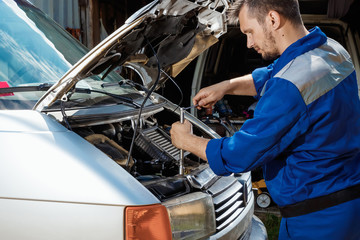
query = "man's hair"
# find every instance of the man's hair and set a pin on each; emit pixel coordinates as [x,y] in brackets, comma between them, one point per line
[260,8]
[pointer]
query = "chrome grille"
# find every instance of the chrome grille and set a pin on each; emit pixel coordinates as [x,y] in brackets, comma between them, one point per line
[229,200]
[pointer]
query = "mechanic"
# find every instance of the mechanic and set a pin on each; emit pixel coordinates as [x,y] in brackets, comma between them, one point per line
[306,127]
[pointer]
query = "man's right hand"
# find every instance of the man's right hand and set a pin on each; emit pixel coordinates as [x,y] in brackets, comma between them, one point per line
[208,96]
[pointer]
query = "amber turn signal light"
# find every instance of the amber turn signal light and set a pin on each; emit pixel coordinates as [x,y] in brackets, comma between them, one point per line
[147,222]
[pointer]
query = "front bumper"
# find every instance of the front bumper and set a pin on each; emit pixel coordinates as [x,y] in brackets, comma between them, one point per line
[258,230]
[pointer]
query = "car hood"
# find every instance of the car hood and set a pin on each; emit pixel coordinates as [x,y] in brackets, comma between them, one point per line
[177,30]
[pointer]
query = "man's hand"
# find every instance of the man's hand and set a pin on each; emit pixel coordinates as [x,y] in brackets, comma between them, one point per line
[183,138]
[180,132]
[207,97]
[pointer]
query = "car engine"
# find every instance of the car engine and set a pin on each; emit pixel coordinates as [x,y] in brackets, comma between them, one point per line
[154,160]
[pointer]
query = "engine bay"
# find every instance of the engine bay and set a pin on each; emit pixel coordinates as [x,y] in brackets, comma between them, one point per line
[154,160]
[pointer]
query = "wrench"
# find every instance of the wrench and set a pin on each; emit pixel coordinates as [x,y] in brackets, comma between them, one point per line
[181,161]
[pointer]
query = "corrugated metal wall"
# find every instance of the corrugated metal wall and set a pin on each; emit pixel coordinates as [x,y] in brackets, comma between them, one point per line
[65,12]
[87,20]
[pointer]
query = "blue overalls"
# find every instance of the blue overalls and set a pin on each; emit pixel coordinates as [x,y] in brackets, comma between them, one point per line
[305,134]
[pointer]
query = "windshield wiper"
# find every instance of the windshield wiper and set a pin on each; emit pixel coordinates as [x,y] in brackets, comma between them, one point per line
[41,87]
[47,86]
[125,100]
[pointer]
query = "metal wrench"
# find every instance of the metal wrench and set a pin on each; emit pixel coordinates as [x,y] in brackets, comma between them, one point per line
[181,160]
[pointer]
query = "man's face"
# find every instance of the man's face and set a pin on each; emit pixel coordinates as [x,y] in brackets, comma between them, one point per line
[258,36]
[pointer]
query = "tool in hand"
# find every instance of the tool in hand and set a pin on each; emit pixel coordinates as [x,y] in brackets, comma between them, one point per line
[181,163]
[192,106]
[182,117]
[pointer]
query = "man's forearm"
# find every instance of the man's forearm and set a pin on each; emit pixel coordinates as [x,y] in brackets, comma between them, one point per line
[196,145]
[241,86]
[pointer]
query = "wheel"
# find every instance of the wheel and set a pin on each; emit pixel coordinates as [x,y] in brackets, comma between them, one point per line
[263,200]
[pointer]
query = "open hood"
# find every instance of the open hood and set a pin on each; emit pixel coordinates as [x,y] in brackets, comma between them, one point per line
[177,30]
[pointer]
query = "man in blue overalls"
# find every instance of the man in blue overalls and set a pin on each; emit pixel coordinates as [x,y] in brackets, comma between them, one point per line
[306,127]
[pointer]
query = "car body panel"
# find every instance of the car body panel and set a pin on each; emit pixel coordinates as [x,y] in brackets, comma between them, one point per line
[43,220]
[64,161]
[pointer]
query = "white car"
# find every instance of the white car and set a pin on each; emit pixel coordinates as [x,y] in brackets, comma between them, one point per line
[84,138]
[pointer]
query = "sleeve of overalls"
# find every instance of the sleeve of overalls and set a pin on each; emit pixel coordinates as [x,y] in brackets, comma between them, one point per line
[260,76]
[280,117]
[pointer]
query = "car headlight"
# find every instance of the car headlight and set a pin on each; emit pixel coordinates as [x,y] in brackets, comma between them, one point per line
[149,220]
[191,216]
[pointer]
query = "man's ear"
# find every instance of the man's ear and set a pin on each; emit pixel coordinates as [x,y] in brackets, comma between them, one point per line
[274,20]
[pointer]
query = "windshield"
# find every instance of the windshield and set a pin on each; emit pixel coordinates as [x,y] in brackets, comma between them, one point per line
[34,50]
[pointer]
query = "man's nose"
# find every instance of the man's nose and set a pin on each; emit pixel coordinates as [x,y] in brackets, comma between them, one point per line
[250,42]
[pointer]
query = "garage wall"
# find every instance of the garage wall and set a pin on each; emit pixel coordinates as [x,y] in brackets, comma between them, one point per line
[90,21]
[64,12]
